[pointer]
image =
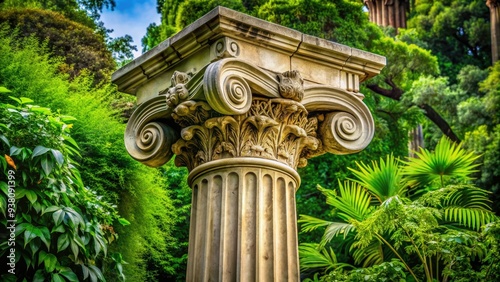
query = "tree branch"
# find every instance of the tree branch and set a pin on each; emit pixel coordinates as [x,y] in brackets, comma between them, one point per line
[396,93]
[440,122]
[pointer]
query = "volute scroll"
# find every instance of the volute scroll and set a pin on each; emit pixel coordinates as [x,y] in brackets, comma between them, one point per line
[149,136]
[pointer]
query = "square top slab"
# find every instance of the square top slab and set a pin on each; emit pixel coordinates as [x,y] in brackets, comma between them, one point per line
[226,33]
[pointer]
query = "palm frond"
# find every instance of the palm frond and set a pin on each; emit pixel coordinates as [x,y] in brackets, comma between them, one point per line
[370,255]
[352,202]
[335,229]
[449,159]
[383,179]
[472,218]
[466,205]
[310,223]
[314,257]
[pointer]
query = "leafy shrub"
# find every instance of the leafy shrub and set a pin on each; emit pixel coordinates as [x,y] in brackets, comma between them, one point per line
[79,45]
[62,228]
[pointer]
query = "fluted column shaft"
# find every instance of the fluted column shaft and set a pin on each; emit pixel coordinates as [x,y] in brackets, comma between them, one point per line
[243,221]
[494,6]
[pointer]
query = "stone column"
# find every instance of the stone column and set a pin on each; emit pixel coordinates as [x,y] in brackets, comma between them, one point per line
[388,12]
[494,6]
[242,103]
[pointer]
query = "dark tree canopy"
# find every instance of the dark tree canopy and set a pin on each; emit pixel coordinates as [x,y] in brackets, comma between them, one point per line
[79,45]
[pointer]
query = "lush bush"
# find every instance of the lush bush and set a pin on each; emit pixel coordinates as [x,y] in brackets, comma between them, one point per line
[62,228]
[104,164]
[422,212]
[80,46]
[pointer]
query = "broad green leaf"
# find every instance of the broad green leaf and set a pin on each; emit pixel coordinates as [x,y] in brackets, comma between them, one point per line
[50,209]
[15,99]
[59,229]
[47,165]
[41,256]
[70,275]
[25,100]
[5,140]
[58,216]
[28,234]
[39,277]
[50,262]
[14,151]
[31,195]
[58,156]
[123,221]
[74,248]
[4,187]
[34,246]
[97,272]
[45,236]
[39,150]
[57,278]
[4,90]
[62,242]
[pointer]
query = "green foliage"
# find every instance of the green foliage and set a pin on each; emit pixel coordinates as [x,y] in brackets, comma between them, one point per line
[79,45]
[457,32]
[330,20]
[447,160]
[428,227]
[104,164]
[387,271]
[62,228]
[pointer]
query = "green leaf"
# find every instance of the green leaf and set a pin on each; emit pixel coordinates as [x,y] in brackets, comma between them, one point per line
[41,257]
[47,165]
[50,209]
[123,221]
[15,99]
[50,262]
[59,229]
[39,150]
[74,248]
[5,140]
[31,195]
[15,151]
[70,275]
[58,216]
[4,90]
[57,278]
[39,277]
[28,234]
[25,100]
[58,156]
[62,242]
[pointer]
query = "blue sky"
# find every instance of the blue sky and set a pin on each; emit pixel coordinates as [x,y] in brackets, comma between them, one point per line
[131,17]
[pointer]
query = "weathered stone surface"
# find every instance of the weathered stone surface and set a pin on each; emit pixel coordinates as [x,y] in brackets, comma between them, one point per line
[242,103]
[494,6]
[388,12]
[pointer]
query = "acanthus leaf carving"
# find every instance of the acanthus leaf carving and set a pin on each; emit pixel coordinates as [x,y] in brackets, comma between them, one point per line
[274,129]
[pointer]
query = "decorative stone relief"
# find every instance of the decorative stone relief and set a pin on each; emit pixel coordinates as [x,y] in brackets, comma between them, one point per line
[225,48]
[277,129]
[234,109]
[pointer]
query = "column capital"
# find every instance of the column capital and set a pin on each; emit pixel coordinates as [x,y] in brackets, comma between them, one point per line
[492,4]
[233,108]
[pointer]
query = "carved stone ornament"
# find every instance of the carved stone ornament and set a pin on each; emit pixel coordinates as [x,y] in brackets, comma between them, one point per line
[232,109]
[242,103]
